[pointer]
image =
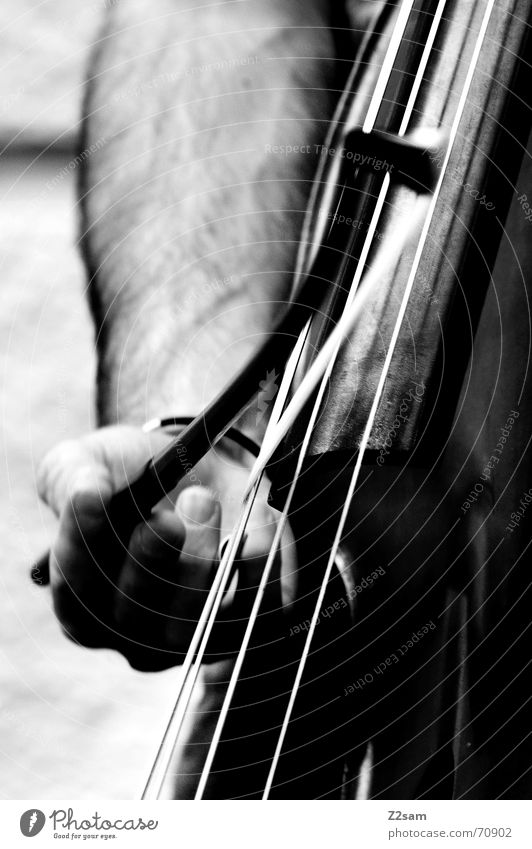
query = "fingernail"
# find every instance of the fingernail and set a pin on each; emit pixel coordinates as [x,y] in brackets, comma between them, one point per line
[197,504]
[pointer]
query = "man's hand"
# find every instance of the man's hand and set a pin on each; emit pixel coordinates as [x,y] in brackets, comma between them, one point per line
[144,597]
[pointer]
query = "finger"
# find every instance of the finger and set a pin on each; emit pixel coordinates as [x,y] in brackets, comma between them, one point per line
[80,587]
[201,514]
[261,539]
[234,614]
[77,479]
[165,579]
[147,590]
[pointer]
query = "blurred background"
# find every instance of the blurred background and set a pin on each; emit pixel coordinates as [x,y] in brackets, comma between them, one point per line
[74,723]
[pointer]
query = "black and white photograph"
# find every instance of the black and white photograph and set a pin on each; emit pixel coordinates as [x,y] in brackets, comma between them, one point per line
[266,391]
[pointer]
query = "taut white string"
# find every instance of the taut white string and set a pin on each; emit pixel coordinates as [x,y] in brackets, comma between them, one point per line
[384,75]
[378,394]
[195,653]
[215,597]
[192,662]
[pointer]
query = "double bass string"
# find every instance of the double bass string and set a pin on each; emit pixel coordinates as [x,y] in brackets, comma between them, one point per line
[398,34]
[283,519]
[337,341]
[281,524]
[191,664]
[215,598]
[196,652]
[386,70]
[268,448]
[280,528]
[427,51]
[371,418]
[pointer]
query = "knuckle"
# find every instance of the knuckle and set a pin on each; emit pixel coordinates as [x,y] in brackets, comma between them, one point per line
[46,477]
[52,462]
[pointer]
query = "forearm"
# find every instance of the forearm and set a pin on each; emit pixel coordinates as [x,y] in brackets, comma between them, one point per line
[191,218]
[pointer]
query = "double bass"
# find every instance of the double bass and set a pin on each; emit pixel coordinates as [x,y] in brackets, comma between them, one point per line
[403,656]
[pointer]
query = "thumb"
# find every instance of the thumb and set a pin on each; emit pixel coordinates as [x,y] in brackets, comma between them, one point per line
[101,462]
[201,514]
[69,469]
